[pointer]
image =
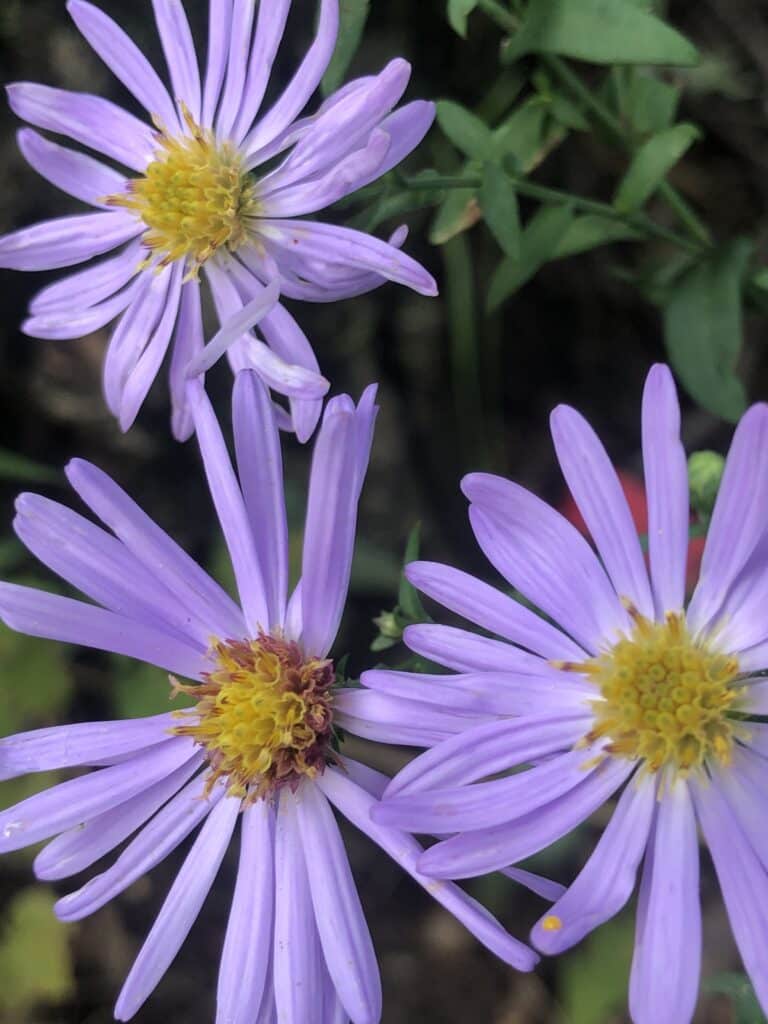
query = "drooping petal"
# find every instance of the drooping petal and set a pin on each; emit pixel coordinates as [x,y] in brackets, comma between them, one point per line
[181,907]
[545,557]
[69,803]
[664,983]
[385,719]
[75,173]
[89,120]
[68,746]
[187,345]
[666,487]
[329,534]
[180,56]
[246,958]
[607,880]
[299,969]
[356,803]
[125,60]
[489,608]
[543,887]
[165,831]
[74,851]
[344,934]
[231,510]
[260,469]
[192,586]
[738,519]
[596,489]
[38,613]
[66,240]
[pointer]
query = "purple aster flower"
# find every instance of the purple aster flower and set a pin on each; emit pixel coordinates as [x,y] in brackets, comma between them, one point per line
[218,188]
[259,744]
[620,690]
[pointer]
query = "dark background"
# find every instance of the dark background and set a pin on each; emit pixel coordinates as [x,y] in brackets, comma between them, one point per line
[576,333]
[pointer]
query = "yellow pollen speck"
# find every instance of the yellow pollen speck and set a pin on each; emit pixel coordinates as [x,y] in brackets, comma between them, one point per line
[551,923]
[263,715]
[194,198]
[667,699]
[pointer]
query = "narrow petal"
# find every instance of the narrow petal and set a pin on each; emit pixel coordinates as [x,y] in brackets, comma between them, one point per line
[180,56]
[187,345]
[743,783]
[260,469]
[596,489]
[385,719]
[181,907]
[125,60]
[238,48]
[219,38]
[74,173]
[664,983]
[738,519]
[477,853]
[355,803]
[90,120]
[66,240]
[545,557]
[607,880]
[69,746]
[329,534]
[70,803]
[62,325]
[462,651]
[38,613]
[299,968]
[234,327]
[71,294]
[231,510]
[406,128]
[743,881]
[314,243]
[290,343]
[537,884]
[193,587]
[344,934]
[165,831]
[246,957]
[487,749]
[666,487]
[266,41]
[492,610]
[74,851]
[304,82]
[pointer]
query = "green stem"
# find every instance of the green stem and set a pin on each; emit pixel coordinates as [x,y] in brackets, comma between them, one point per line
[602,114]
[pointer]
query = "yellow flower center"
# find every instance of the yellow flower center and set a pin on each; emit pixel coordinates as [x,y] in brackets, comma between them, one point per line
[194,198]
[667,699]
[263,715]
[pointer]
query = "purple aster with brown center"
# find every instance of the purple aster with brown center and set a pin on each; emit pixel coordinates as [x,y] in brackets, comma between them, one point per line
[213,188]
[258,747]
[618,689]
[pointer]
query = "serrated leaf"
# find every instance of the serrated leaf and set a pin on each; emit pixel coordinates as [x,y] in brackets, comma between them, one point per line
[353,15]
[703,329]
[498,201]
[35,961]
[465,129]
[538,244]
[590,231]
[458,12]
[650,165]
[601,32]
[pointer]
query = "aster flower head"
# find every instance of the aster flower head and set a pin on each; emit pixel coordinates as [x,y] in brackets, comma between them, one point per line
[621,690]
[259,745]
[211,188]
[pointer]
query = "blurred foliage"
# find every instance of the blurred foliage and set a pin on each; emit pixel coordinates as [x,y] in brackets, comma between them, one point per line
[594,979]
[741,995]
[35,960]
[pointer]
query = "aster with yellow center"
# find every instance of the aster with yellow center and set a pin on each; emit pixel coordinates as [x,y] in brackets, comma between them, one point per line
[621,689]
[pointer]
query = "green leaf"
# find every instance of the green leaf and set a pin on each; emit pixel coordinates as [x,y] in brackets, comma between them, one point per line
[650,104]
[527,136]
[600,31]
[465,130]
[538,244]
[35,961]
[739,989]
[458,12]
[498,201]
[650,165]
[703,329]
[594,978]
[408,598]
[18,467]
[459,212]
[353,15]
[590,231]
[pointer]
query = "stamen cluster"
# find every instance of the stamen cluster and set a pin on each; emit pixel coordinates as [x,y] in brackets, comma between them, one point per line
[263,715]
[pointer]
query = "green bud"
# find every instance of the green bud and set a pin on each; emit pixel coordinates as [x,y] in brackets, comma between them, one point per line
[705,471]
[389,625]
